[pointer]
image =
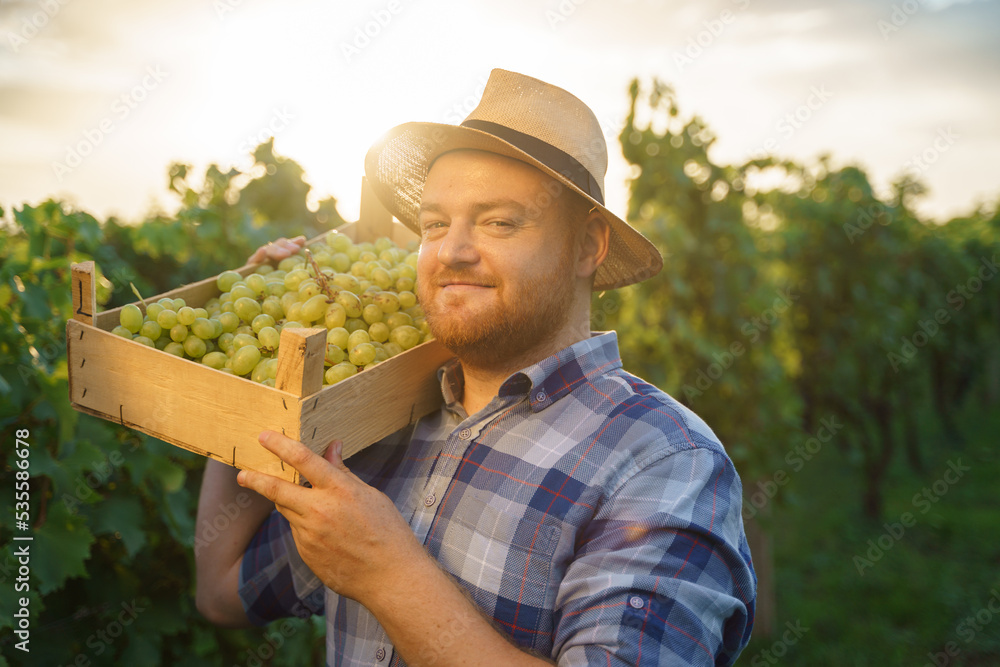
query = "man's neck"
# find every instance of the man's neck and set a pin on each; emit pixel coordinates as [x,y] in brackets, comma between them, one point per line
[482,383]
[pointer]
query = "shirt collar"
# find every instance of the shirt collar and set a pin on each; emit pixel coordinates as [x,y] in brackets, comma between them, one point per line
[550,379]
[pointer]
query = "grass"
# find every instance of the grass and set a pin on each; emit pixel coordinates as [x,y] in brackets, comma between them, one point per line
[921,584]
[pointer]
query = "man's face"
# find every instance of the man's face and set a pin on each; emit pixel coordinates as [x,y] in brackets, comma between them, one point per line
[496,272]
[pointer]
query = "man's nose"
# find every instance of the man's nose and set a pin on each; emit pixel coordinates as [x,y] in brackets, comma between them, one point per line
[458,247]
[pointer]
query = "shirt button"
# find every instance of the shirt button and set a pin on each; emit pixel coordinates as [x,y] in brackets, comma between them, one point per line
[465,433]
[380,654]
[636,602]
[540,396]
[430,500]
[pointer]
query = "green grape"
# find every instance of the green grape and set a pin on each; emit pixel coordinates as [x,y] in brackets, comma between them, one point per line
[350,302]
[175,349]
[150,329]
[162,342]
[194,347]
[359,269]
[226,280]
[152,310]
[294,312]
[411,259]
[292,325]
[229,322]
[407,299]
[178,333]
[338,336]
[227,307]
[372,313]
[215,360]
[404,284]
[265,368]
[275,288]
[380,355]
[265,269]
[243,340]
[122,331]
[338,242]
[314,308]
[256,282]
[261,321]
[382,244]
[217,325]
[240,292]
[200,312]
[335,316]
[379,332]
[225,342]
[392,349]
[334,354]
[340,262]
[398,319]
[245,359]
[272,306]
[294,278]
[186,316]
[354,324]
[203,328]
[387,302]
[131,318]
[405,336]
[167,319]
[289,263]
[362,354]
[144,340]
[382,278]
[269,338]
[167,303]
[345,281]
[179,303]
[244,329]
[308,289]
[367,255]
[338,372]
[247,308]
[357,338]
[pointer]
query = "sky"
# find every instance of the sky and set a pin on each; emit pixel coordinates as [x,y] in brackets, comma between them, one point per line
[97,98]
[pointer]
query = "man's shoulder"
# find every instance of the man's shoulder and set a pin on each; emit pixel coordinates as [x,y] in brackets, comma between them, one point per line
[642,412]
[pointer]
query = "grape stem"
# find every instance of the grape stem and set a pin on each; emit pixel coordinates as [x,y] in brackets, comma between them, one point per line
[320,277]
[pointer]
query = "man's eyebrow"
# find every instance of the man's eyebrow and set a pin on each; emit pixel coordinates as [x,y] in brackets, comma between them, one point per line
[481,207]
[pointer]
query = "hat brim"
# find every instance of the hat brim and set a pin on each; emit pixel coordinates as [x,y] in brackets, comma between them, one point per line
[397,165]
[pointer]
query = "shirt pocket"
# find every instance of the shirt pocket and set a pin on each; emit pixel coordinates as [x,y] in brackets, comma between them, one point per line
[506,561]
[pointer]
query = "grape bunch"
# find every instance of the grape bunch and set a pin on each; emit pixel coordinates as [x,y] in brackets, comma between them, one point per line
[364,294]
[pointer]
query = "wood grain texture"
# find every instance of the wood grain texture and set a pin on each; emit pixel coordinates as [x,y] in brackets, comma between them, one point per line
[84,286]
[178,400]
[300,361]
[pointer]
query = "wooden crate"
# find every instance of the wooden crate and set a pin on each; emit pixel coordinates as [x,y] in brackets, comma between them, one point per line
[214,414]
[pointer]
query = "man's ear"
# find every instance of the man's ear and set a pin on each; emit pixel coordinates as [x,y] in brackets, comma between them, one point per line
[595,240]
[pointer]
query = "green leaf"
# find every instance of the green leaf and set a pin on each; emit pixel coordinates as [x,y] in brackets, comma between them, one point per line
[122,516]
[60,549]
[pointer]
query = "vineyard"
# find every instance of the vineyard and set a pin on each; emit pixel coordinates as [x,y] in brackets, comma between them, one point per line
[843,349]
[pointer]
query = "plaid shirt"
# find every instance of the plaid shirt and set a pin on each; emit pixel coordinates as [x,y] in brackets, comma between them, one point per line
[592,516]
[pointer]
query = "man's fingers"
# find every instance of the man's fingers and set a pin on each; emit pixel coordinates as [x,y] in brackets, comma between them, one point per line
[311,465]
[334,454]
[283,494]
[277,250]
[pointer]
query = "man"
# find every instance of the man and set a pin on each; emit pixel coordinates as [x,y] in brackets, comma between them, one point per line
[556,508]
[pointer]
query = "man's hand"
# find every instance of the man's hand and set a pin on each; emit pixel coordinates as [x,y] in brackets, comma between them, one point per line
[277,250]
[348,533]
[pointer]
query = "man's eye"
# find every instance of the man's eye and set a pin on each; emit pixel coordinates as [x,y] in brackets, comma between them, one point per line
[434,224]
[500,223]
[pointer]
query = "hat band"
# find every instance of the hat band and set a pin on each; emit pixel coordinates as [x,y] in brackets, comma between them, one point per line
[552,157]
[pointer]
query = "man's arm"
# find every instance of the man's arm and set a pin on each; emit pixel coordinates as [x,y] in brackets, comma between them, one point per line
[220,542]
[353,538]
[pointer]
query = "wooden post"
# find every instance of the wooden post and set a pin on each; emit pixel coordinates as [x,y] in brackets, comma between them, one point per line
[300,361]
[374,221]
[84,288]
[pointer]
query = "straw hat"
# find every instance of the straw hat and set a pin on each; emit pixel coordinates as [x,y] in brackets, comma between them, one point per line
[528,120]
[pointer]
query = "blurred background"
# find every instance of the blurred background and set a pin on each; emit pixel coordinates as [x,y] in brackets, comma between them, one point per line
[820,177]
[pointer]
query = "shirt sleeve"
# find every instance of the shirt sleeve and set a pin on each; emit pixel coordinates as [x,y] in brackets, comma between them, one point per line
[274,581]
[663,574]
